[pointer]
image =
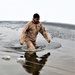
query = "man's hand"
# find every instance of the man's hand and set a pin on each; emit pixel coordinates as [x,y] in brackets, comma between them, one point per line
[21,43]
[49,41]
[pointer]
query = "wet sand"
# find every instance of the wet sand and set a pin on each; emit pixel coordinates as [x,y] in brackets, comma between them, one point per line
[57,58]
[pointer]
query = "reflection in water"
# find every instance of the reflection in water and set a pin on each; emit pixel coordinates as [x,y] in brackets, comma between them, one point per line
[33,65]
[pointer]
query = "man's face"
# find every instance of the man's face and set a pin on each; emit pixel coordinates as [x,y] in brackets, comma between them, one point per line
[36,20]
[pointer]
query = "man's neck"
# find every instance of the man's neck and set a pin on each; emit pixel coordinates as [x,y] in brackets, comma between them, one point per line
[35,22]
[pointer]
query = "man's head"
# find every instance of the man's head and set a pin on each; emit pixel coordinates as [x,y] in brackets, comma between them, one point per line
[36,18]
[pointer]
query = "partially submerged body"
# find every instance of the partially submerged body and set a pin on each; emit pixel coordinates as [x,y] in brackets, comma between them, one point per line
[30,31]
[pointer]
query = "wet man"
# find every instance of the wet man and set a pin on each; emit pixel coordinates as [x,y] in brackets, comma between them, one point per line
[30,31]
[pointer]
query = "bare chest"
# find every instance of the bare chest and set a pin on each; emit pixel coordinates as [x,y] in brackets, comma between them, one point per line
[34,27]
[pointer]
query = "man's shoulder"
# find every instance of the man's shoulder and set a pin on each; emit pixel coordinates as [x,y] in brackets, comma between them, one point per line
[40,24]
[29,22]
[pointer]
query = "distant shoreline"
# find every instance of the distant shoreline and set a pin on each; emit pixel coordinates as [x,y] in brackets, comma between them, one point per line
[63,25]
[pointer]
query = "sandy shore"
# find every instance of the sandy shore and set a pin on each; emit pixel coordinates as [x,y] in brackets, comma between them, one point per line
[58,58]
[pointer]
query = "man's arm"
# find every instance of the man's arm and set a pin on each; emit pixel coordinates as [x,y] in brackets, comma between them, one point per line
[44,33]
[23,34]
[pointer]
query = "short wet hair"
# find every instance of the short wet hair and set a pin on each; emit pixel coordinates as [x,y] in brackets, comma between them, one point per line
[36,15]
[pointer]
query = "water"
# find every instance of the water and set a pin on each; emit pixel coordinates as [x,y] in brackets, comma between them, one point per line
[57,58]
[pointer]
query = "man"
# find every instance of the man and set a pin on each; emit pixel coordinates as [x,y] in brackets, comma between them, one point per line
[30,32]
